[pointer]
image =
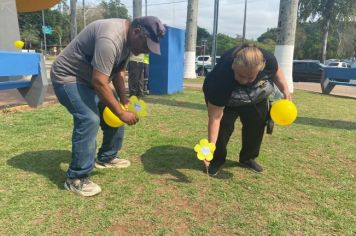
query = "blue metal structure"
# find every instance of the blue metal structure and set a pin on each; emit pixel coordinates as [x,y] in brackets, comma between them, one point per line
[167,70]
[337,76]
[14,66]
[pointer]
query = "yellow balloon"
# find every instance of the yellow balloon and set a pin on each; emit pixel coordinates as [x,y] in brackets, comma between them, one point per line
[19,44]
[283,112]
[111,119]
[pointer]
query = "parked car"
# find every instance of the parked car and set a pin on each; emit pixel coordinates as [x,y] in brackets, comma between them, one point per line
[203,60]
[203,69]
[307,70]
[340,64]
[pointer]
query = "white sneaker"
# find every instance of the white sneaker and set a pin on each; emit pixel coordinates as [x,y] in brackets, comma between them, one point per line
[114,163]
[83,187]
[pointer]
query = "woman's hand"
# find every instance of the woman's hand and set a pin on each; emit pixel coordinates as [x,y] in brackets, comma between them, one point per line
[287,95]
[206,163]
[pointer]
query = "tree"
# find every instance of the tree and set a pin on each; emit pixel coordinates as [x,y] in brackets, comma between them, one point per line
[114,9]
[203,34]
[271,34]
[30,36]
[328,12]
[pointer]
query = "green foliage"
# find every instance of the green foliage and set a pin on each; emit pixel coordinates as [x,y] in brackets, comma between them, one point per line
[269,36]
[31,27]
[203,34]
[225,42]
[114,9]
[329,13]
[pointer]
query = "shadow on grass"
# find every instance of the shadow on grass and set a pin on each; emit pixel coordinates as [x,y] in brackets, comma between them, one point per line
[175,103]
[169,159]
[46,163]
[334,124]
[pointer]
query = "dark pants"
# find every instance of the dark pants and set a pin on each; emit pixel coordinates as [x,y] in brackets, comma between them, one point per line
[145,75]
[136,80]
[253,119]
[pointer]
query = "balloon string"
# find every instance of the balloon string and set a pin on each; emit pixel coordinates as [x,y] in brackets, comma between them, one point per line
[207,172]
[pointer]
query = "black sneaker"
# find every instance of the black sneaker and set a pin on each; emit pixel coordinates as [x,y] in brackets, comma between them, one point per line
[213,170]
[252,164]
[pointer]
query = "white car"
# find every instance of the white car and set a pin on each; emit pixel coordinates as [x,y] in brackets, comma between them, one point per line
[340,64]
[200,60]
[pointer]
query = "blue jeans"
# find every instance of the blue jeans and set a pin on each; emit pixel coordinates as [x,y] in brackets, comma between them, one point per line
[83,103]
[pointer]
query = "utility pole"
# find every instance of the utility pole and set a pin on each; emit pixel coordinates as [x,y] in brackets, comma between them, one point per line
[244,27]
[137,8]
[145,7]
[190,40]
[73,19]
[215,31]
[287,23]
[84,20]
[44,34]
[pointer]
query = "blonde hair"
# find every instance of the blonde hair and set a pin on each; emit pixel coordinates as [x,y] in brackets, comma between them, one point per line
[248,56]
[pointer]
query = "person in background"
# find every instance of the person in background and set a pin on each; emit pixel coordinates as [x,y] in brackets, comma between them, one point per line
[146,62]
[81,75]
[136,79]
[239,86]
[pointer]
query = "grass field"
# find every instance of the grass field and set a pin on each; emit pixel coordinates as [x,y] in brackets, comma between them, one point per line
[308,186]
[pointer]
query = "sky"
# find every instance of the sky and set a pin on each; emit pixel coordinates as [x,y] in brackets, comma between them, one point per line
[261,14]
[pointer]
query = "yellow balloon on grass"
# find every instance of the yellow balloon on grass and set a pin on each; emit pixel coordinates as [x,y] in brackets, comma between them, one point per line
[111,119]
[283,112]
[19,44]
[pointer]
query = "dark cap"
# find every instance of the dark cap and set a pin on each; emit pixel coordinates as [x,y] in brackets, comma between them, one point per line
[153,29]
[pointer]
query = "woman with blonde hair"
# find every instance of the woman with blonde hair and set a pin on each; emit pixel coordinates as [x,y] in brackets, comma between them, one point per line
[239,86]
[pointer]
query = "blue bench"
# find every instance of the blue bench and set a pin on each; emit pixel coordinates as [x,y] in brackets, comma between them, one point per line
[337,76]
[15,67]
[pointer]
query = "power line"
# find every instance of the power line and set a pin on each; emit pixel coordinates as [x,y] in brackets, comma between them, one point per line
[163,3]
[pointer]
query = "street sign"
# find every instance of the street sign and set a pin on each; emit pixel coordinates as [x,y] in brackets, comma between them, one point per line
[47,29]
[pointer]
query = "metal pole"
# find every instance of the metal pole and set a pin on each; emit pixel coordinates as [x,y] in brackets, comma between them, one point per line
[137,8]
[44,34]
[204,41]
[145,7]
[244,27]
[84,21]
[73,19]
[215,30]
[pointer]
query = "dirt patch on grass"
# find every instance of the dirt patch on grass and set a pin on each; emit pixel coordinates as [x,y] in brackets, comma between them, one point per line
[20,107]
[119,229]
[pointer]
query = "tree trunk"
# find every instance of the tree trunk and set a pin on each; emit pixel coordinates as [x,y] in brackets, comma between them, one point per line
[190,39]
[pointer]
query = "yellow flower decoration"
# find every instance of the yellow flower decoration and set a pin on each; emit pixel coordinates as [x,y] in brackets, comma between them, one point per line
[205,150]
[138,106]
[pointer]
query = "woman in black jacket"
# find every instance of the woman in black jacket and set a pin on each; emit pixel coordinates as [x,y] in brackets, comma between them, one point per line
[239,86]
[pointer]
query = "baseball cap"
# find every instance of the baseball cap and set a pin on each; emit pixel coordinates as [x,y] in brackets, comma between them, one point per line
[153,29]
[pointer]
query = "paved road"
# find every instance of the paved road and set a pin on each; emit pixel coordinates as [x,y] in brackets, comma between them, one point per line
[10,98]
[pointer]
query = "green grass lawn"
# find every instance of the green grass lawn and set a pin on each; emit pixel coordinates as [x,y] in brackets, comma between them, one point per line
[308,186]
[198,80]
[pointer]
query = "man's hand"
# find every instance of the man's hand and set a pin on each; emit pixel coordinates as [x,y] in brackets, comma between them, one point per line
[128,117]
